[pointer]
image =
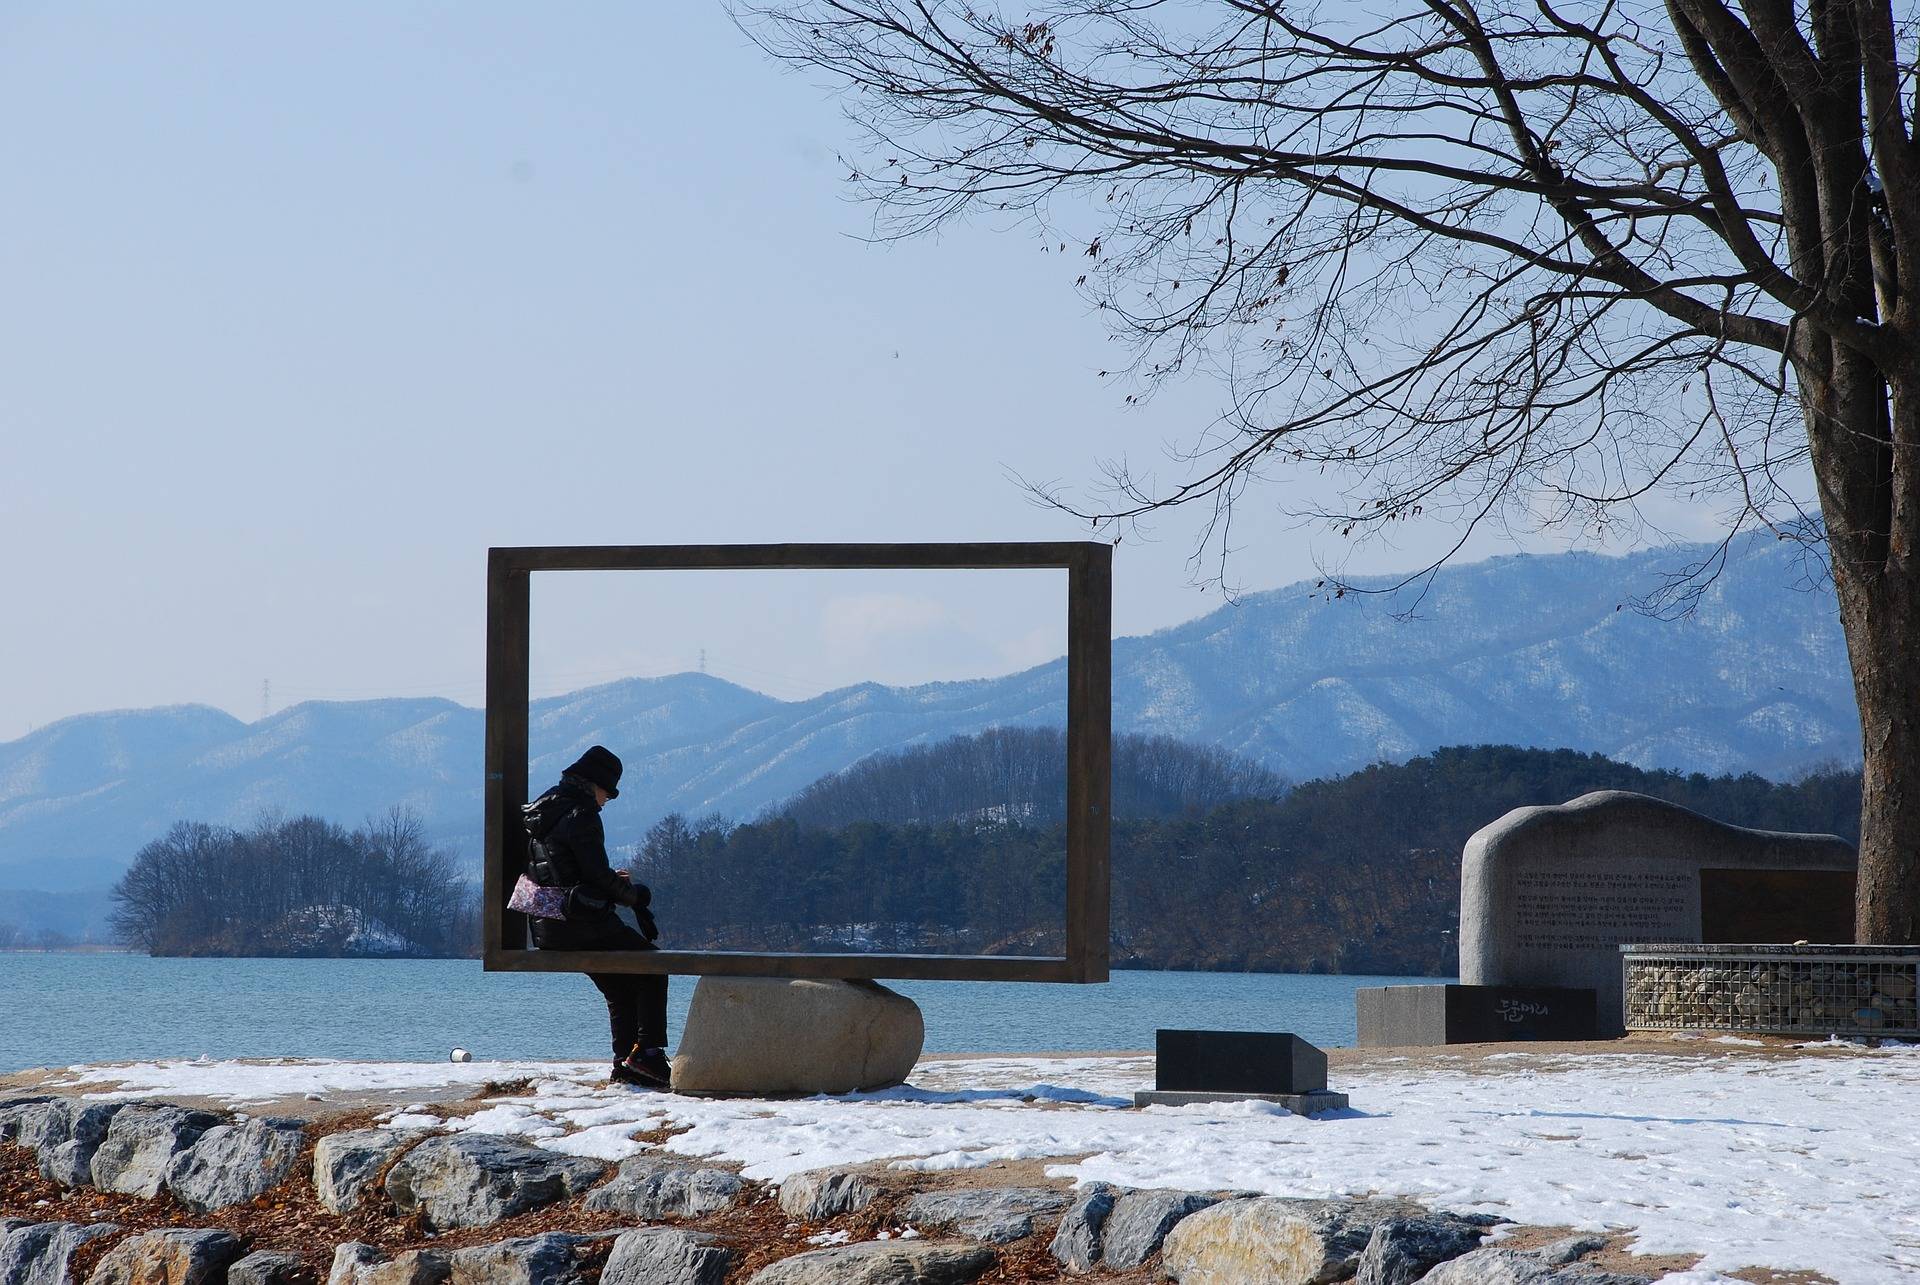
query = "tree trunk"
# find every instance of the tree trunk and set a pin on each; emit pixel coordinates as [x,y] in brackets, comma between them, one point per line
[1878,583]
[1886,664]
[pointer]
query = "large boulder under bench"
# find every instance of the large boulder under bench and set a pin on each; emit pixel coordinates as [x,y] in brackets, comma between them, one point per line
[768,1036]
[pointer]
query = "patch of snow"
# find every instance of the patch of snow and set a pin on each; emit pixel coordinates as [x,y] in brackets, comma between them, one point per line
[609,1142]
[510,1119]
[237,1082]
[331,928]
[1034,1148]
[411,1120]
[840,1237]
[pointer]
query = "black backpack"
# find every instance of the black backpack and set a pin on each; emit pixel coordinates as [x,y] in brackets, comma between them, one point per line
[541,818]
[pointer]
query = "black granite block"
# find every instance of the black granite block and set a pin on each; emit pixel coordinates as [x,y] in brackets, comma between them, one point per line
[1237,1062]
[1412,1016]
[1776,905]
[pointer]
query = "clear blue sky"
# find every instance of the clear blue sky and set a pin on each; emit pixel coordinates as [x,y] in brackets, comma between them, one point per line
[304,306]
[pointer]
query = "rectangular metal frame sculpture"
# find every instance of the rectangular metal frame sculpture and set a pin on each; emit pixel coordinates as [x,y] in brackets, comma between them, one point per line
[1089,568]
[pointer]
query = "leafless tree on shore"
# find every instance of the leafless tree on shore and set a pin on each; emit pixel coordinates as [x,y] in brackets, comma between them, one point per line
[1514,261]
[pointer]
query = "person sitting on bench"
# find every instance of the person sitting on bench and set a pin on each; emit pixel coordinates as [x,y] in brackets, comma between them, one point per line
[567,848]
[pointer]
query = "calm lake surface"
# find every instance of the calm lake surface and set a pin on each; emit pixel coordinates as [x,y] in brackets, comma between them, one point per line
[61,1009]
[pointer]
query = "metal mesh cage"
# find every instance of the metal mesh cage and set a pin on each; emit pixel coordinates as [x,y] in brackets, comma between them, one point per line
[1822,990]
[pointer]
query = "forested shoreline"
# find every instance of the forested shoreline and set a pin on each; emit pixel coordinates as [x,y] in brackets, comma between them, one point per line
[1357,874]
[298,887]
[1217,865]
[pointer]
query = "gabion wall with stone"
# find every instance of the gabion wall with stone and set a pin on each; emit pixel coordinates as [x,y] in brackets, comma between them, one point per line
[1779,990]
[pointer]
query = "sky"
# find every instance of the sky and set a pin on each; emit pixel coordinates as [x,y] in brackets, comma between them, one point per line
[303,307]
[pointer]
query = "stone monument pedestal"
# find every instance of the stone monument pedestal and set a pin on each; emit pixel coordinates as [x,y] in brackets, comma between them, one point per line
[1298,1103]
[1417,1016]
[1239,1066]
[775,1037]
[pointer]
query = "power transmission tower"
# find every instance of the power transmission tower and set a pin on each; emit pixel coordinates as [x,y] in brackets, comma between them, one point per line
[703,660]
[266,697]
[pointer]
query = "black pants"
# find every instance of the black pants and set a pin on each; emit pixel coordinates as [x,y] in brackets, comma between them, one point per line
[636,1009]
[636,1002]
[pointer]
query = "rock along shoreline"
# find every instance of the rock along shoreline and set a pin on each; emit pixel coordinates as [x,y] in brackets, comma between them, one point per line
[150,1193]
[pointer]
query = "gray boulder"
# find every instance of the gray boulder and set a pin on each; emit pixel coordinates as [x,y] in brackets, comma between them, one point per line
[1275,1240]
[141,1143]
[71,1162]
[176,1256]
[44,1125]
[1141,1220]
[1562,1252]
[1516,1267]
[11,1112]
[997,1215]
[1078,1242]
[1406,1249]
[40,1253]
[766,1035]
[266,1267]
[666,1256]
[552,1258]
[820,1194]
[654,1187]
[346,1164]
[230,1164]
[471,1179]
[881,1262]
[356,1263]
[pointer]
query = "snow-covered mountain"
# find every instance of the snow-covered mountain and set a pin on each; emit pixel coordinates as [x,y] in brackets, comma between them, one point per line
[1526,650]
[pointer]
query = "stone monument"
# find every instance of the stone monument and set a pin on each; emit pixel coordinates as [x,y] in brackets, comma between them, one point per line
[1548,895]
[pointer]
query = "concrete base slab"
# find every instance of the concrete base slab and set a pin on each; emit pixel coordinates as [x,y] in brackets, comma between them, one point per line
[1298,1103]
[1414,1016]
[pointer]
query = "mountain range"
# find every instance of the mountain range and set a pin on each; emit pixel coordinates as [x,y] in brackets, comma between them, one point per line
[1530,650]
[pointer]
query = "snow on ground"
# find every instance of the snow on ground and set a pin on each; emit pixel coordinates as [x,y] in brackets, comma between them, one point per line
[244,1083]
[1784,1162]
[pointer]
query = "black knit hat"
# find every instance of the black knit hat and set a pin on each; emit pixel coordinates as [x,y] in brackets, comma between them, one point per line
[599,766]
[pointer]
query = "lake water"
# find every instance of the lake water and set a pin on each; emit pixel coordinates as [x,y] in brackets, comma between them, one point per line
[60,1009]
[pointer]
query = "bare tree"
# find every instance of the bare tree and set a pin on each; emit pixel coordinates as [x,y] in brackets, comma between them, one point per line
[203,889]
[1516,261]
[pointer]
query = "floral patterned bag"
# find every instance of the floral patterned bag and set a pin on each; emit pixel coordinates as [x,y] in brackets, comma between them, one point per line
[530,898]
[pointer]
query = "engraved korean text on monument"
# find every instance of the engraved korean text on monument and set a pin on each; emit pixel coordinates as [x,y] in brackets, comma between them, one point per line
[1600,909]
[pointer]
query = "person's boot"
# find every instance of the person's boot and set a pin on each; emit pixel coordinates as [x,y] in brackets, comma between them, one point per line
[644,1068]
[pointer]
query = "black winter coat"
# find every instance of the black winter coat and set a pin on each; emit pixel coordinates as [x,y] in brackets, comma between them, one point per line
[568,848]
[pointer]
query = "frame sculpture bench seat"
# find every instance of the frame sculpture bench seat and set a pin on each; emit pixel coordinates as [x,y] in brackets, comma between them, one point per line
[1089,568]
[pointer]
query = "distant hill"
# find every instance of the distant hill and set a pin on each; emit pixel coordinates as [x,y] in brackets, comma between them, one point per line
[1357,874]
[1361,874]
[1523,650]
[1020,774]
[54,919]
